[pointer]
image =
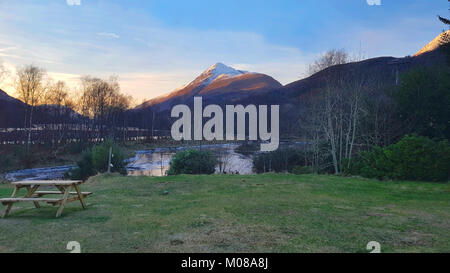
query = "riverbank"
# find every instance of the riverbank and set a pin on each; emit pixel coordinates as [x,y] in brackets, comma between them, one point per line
[151,160]
[229,213]
[14,157]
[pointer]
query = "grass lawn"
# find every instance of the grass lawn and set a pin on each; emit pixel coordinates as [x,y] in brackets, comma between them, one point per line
[260,213]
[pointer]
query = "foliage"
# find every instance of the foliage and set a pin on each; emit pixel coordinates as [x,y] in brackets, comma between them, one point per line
[192,162]
[84,169]
[282,160]
[96,161]
[6,162]
[247,148]
[100,156]
[412,158]
[423,102]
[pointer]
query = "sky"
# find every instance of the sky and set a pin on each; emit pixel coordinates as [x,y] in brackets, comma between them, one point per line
[157,46]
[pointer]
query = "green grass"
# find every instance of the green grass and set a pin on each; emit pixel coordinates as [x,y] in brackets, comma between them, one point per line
[260,213]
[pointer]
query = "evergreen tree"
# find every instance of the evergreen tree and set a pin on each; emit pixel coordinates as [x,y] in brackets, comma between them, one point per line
[445,20]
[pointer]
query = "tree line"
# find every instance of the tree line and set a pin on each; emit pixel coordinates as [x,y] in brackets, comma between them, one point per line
[95,112]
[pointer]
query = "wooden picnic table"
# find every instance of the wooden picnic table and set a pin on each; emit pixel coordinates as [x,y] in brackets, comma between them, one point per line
[33,195]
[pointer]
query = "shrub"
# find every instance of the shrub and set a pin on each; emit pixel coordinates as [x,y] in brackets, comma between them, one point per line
[100,157]
[423,100]
[412,158]
[192,162]
[84,169]
[247,148]
[6,162]
[96,161]
[278,161]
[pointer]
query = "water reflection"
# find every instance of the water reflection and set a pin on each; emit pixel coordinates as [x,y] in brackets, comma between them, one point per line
[150,164]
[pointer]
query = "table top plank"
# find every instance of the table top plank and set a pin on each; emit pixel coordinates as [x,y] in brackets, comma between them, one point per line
[47,182]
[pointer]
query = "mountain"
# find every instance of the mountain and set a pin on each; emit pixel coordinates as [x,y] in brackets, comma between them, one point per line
[384,70]
[51,111]
[437,42]
[221,84]
[5,97]
[218,84]
[11,111]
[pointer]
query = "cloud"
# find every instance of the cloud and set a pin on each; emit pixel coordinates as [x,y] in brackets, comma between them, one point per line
[73,2]
[109,35]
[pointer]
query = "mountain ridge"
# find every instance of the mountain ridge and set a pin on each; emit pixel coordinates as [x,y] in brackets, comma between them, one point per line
[437,42]
[217,80]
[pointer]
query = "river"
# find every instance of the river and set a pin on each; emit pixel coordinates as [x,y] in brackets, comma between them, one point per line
[153,162]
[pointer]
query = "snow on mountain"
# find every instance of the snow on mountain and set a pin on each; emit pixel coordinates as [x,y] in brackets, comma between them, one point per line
[219,70]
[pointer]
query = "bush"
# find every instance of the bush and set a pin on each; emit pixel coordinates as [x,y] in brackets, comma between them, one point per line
[412,158]
[281,160]
[84,169]
[96,161]
[247,148]
[100,156]
[423,100]
[6,162]
[192,162]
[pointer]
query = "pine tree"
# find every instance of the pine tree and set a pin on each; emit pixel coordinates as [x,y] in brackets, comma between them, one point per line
[446,36]
[445,20]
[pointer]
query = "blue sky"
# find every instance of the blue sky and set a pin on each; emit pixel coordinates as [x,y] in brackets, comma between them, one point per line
[157,46]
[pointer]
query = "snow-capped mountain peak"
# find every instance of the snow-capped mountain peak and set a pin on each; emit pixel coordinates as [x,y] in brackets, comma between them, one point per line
[219,70]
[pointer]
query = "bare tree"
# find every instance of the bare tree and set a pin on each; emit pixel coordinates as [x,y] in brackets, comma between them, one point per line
[60,106]
[223,159]
[30,90]
[325,112]
[103,103]
[333,115]
[330,58]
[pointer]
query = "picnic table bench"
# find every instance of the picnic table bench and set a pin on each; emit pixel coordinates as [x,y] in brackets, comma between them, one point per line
[33,195]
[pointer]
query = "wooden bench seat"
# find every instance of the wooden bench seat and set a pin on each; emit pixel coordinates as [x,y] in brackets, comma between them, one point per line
[42,193]
[15,200]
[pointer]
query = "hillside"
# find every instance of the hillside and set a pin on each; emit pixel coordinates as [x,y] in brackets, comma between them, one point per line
[437,42]
[11,111]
